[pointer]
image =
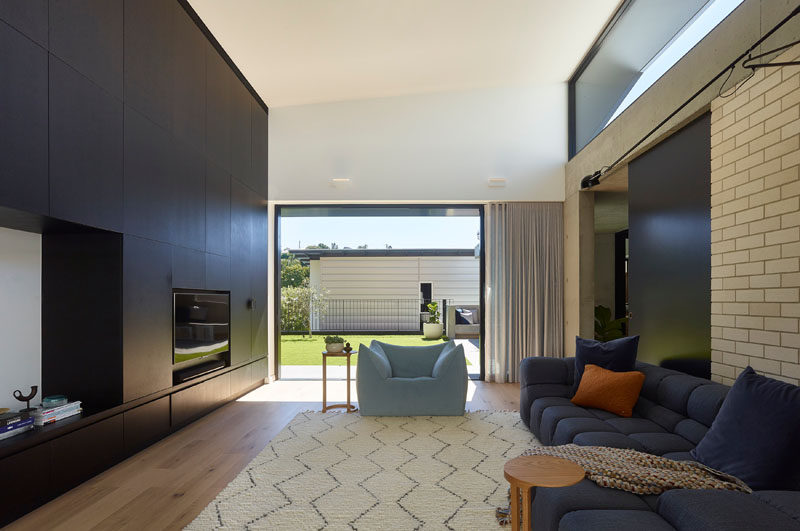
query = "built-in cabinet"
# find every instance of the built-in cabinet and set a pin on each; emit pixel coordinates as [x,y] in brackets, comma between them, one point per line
[134,146]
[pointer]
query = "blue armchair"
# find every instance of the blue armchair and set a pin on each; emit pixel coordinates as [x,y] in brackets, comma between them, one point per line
[404,381]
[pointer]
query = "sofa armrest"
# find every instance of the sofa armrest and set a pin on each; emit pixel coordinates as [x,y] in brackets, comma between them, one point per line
[376,360]
[541,377]
[450,354]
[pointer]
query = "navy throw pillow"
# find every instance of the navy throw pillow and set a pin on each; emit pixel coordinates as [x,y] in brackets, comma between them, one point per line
[618,355]
[756,434]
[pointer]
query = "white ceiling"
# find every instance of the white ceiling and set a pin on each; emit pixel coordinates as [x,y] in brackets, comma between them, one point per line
[311,51]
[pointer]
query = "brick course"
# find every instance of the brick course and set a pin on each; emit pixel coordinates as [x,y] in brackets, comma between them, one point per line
[755,222]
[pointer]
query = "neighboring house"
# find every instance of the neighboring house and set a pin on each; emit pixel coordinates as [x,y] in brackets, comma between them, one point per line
[382,289]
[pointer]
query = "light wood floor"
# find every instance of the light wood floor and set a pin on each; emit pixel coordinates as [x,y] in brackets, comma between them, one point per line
[166,485]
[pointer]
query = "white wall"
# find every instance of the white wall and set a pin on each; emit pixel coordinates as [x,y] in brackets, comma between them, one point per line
[436,146]
[20,314]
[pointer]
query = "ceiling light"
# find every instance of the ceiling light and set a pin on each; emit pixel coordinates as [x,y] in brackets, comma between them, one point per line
[497,182]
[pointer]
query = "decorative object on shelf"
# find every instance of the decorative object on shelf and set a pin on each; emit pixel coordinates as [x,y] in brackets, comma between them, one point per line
[26,398]
[433,329]
[348,348]
[53,401]
[334,344]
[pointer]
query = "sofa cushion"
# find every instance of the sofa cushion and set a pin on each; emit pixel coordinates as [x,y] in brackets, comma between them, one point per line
[662,443]
[555,414]
[755,437]
[786,501]
[613,520]
[635,425]
[551,504]
[666,418]
[700,510]
[538,408]
[567,429]
[691,430]
[615,355]
[705,401]
[674,391]
[612,440]
[613,391]
[410,362]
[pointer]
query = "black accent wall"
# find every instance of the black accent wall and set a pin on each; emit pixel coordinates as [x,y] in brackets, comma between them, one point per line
[669,214]
[133,144]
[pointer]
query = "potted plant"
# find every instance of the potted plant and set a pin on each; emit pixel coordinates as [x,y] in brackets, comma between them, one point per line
[433,328]
[334,344]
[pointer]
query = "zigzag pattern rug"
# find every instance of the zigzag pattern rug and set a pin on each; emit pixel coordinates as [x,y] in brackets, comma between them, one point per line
[345,471]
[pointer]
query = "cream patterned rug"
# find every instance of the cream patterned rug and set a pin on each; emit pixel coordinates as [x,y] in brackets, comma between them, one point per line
[345,471]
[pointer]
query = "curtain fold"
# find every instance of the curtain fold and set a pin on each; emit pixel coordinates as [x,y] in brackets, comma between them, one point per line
[524,285]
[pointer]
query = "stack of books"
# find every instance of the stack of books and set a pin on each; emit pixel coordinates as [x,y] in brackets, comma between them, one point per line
[48,415]
[14,423]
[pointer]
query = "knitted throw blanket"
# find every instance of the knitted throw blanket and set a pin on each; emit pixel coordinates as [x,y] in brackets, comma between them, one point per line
[640,473]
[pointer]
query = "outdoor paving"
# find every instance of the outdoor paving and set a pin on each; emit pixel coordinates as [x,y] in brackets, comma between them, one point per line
[338,372]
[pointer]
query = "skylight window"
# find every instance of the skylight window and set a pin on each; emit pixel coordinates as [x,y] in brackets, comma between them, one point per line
[701,25]
[643,41]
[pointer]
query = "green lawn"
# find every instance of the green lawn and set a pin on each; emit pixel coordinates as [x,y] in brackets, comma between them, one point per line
[299,350]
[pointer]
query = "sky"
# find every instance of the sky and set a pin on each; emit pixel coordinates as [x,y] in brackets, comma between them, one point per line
[457,232]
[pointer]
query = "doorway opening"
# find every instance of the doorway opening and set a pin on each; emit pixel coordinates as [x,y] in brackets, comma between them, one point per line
[365,272]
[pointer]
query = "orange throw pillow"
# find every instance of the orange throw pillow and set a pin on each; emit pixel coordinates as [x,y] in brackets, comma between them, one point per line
[616,392]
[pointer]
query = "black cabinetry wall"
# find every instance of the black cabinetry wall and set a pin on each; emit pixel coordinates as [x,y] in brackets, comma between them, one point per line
[133,144]
[123,115]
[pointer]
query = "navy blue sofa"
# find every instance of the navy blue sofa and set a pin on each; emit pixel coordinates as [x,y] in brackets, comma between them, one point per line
[673,413]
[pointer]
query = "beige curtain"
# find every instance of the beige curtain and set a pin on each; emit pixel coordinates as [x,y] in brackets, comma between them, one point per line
[524,285]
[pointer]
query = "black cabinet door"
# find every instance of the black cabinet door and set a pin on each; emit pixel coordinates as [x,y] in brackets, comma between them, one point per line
[85,150]
[189,81]
[218,210]
[146,424]
[23,123]
[147,317]
[218,109]
[188,202]
[258,274]
[259,150]
[241,276]
[148,171]
[149,59]
[199,399]
[26,482]
[86,452]
[88,36]
[218,272]
[240,131]
[27,16]
[188,268]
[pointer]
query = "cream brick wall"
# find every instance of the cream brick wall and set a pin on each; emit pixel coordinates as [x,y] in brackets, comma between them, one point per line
[755,226]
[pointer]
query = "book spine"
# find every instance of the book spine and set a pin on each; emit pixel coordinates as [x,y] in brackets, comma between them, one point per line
[17,431]
[20,424]
[57,410]
[53,418]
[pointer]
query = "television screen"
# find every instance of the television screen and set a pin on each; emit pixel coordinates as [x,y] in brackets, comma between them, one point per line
[202,325]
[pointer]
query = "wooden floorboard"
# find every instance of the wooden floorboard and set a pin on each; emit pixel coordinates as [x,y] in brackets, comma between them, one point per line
[168,484]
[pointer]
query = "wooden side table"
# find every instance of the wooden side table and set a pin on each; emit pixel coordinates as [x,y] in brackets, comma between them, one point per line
[529,471]
[325,355]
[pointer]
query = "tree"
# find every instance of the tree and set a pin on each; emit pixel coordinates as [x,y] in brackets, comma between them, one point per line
[293,272]
[300,305]
[362,246]
[317,246]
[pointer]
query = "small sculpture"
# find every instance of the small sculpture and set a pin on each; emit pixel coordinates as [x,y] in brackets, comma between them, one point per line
[348,348]
[27,399]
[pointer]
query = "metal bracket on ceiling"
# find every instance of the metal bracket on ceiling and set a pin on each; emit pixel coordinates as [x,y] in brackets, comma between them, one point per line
[748,63]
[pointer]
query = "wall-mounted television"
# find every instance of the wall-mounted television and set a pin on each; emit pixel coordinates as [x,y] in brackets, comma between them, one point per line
[202,325]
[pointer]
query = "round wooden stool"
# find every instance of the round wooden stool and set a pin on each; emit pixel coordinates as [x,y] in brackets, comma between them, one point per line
[529,471]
